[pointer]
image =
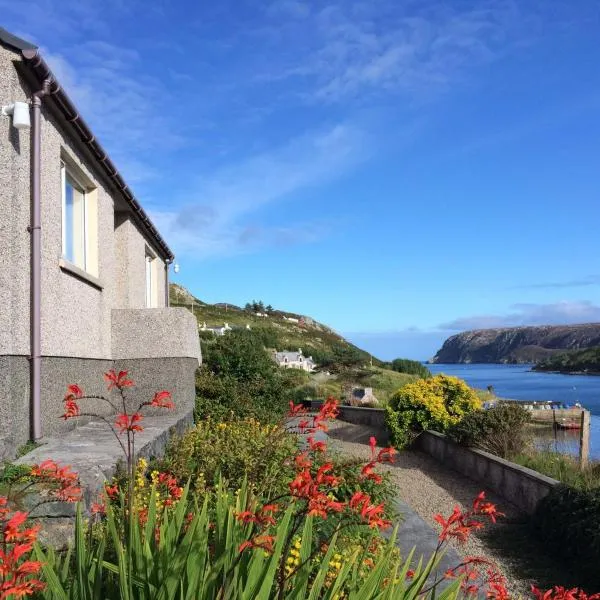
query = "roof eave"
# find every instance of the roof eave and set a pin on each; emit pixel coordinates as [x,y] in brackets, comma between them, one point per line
[36,63]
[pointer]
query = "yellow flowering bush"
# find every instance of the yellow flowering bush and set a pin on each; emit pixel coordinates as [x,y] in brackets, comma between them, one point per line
[235,450]
[435,403]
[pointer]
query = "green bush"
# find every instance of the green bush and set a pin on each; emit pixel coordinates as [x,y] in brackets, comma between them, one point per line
[412,367]
[239,378]
[567,520]
[501,430]
[235,450]
[435,403]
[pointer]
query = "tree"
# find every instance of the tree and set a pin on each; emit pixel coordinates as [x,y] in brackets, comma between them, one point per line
[412,367]
[269,308]
[239,378]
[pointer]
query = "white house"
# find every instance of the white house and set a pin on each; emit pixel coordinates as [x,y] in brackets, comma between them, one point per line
[218,330]
[295,360]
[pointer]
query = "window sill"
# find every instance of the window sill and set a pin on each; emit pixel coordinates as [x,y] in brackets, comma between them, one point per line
[70,268]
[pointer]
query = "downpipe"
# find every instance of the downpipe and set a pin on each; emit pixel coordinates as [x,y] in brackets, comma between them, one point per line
[35,230]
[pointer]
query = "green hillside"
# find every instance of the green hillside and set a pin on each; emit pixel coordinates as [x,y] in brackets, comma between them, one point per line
[575,361]
[341,363]
[327,347]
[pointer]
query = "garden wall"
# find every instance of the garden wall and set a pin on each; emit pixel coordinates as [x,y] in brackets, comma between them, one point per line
[519,485]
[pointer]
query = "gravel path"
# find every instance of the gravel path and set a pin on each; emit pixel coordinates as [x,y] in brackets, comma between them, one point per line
[429,488]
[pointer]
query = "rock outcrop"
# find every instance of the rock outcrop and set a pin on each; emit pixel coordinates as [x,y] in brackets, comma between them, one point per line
[516,344]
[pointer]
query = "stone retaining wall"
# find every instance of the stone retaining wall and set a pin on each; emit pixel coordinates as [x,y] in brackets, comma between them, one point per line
[372,417]
[519,485]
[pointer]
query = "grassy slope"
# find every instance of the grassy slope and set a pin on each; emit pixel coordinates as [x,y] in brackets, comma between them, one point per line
[291,336]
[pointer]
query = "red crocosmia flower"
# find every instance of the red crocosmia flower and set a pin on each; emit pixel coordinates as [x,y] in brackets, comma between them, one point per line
[316,446]
[373,444]
[296,409]
[265,542]
[98,508]
[163,400]
[359,499]
[117,380]
[124,422]
[75,391]
[302,461]
[322,477]
[373,516]
[319,505]
[410,574]
[112,491]
[329,409]
[11,529]
[367,473]
[71,409]
[561,593]
[386,455]
[303,425]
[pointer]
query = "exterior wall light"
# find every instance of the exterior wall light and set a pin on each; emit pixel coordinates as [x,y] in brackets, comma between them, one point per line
[20,114]
[176,268]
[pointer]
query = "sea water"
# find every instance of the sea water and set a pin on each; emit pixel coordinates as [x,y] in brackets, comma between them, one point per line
[519,382]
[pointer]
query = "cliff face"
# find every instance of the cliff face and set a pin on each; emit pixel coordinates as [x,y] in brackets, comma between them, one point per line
[516,344]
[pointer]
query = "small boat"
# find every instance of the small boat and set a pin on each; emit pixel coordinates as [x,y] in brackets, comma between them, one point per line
[568,425]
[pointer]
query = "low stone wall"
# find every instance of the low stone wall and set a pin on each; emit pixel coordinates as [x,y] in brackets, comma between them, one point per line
[372,417]
[519,485]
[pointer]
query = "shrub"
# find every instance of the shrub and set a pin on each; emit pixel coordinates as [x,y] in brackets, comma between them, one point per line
[434,403]
[500,430]
[568,522]
[239,378]
[412,367]
[235,450]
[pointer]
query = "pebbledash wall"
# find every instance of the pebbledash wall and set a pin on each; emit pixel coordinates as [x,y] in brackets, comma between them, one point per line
[521,486]
[90,321]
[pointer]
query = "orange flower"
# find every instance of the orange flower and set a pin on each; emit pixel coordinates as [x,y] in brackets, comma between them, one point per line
[265,542]
[561,593]
[124,422]
[316,446]
[163,400]
[98,508]
[296,409]
[112,491]
[117,380]
[302,461]
[367,473]
[71,409]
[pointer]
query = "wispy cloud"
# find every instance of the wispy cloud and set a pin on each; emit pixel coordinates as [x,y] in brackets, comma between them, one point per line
[590,280]
[121,105]
[353,51]
[223,220]
[558,313]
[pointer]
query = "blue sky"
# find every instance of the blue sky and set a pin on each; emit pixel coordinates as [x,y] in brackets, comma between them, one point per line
[399,170]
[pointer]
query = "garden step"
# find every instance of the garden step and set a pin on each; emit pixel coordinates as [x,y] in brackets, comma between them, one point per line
[92,450]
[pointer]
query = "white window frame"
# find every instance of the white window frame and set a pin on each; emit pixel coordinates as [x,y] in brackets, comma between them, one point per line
[150,279]
[64,174]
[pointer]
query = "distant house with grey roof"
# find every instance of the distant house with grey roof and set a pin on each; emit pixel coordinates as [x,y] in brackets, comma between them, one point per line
[85,271]
[294,360]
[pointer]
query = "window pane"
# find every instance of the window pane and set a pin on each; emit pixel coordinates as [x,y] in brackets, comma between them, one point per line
[74,223]
[68,251]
